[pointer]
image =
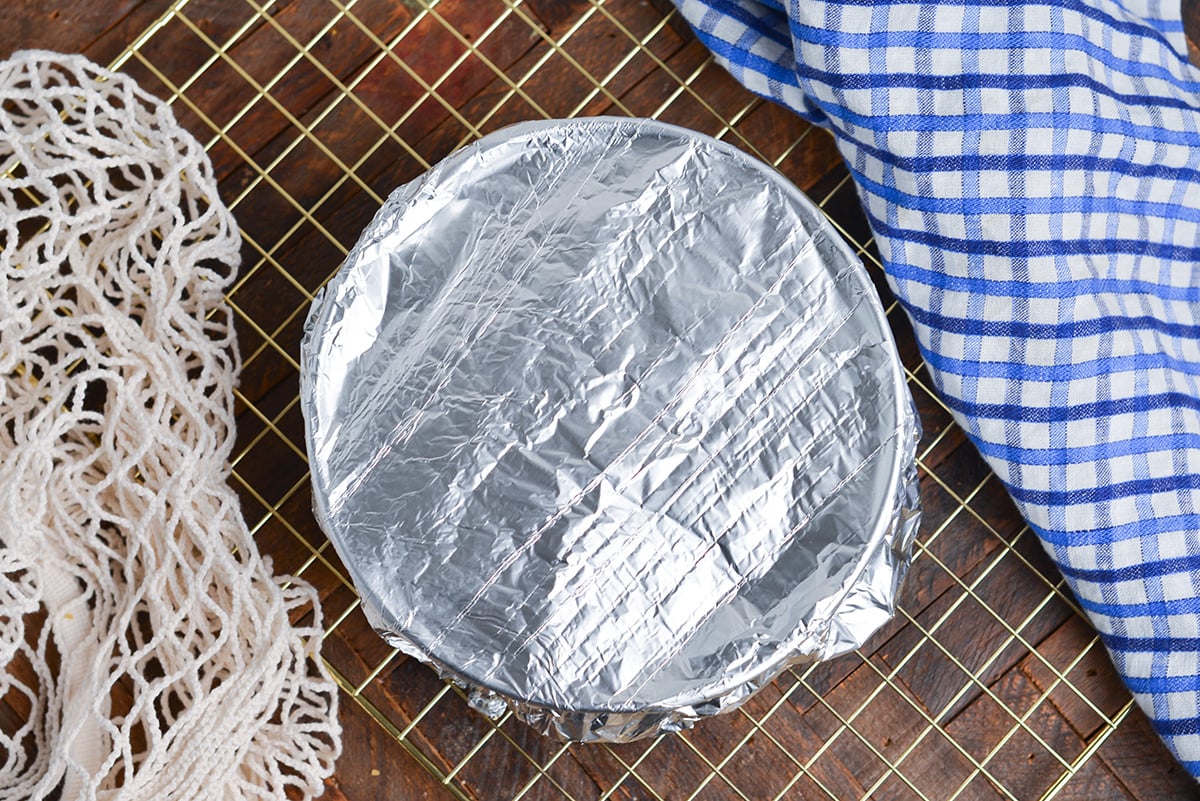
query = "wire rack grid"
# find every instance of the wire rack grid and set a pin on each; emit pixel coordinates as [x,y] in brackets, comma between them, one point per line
[988,684]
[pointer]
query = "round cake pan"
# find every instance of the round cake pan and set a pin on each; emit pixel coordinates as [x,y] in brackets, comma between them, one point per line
[608,426]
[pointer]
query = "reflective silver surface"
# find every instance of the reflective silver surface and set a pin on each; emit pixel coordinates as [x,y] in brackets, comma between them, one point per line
[607,425]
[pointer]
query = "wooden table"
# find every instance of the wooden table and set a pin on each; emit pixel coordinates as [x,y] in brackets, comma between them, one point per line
[988,684]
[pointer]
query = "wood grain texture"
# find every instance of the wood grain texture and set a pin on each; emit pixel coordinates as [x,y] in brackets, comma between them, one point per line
[373,767]
[1191,27]
[98,30]
[309,123]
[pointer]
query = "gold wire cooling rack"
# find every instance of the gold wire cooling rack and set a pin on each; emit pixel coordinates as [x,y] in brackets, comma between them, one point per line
[988,684]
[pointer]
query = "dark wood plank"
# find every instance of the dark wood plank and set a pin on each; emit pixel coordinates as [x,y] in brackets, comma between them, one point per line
[1094,782]
[1141,763]
[74,27]
[1106,695]
[373,767]
[1191,27]
[1025,766]
[401,693]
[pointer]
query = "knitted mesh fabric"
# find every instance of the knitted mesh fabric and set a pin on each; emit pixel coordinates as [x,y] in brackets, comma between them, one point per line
[150,647]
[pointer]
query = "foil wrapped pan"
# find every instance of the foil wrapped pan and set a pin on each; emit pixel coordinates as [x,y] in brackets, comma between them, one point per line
[608,426]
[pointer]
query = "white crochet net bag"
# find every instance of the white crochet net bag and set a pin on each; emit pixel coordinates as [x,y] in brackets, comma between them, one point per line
[148,651]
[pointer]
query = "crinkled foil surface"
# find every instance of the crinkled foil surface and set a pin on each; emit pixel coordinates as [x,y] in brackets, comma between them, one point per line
[608,426]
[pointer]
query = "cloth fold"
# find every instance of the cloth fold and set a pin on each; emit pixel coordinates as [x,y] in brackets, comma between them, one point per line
[1031,171]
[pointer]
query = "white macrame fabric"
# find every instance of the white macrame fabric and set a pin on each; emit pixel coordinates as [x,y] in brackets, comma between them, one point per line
[148,651]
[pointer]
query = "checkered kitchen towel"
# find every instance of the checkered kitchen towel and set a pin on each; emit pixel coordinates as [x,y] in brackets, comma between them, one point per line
[1032,173]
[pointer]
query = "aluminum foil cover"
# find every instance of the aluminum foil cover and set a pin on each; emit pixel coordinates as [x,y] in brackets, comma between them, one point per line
[607,425]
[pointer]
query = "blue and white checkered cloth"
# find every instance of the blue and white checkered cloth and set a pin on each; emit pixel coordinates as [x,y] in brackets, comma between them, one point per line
[1031,171]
